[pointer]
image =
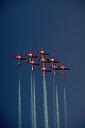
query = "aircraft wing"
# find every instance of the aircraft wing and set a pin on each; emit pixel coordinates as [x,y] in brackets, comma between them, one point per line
[15,57]
[55,61]
[32,63]
[66,68]
[29,62]
[39,59]
[38,52]
[59,68]
[22,59]
[36,64]
[26,54]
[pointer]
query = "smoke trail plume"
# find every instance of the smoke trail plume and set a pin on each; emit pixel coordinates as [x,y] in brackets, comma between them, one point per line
[54,104]
[32,102]
[57,108]
[45,103]
[19,106]
[34,99]
[65,108]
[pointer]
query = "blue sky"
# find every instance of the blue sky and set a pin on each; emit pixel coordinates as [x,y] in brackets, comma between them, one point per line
[57,26]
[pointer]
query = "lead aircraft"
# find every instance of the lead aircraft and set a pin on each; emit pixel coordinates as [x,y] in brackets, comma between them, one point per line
[42,52]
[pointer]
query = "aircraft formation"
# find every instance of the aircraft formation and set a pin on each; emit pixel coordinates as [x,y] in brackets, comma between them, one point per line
[43,60]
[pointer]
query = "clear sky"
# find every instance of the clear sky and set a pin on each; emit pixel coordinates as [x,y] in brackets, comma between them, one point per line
[58,26]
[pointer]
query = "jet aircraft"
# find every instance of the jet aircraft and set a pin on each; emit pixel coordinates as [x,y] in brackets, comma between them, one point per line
[44,70]
[33,63]
[42,52]
[19,57]
[30,55]
[63,68]
[52,60]
[43,60]
[54,68]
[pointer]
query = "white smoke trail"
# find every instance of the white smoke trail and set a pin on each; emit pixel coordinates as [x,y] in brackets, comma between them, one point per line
[65,108]
[45,103]
[57,108]
[54,104]
[19,106]
[34,104]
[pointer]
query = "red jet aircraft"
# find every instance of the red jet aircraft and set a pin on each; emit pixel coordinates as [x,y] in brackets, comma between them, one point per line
[63,68]
[44,70]
[59,68]
[33,63]
[42,52]
[30,55]
[19,57]
[55,68]
[52,60]
[43,60]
